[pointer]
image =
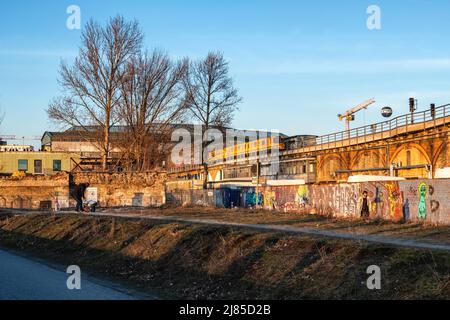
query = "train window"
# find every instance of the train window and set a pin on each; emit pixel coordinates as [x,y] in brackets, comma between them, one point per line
[56,165]
[22,165]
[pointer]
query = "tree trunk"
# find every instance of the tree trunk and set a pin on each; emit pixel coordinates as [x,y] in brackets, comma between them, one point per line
[106,151]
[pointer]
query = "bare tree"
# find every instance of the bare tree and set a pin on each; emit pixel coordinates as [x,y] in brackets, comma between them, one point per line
[92,84]
[211,95]
[153,98]
[212,98]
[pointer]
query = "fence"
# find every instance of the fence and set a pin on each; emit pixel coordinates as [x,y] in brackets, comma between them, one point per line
[409,122]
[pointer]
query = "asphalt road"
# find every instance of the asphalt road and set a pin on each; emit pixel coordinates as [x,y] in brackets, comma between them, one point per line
[25,279]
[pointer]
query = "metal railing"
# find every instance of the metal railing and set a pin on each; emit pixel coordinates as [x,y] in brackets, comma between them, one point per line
[406,122]
[400,124]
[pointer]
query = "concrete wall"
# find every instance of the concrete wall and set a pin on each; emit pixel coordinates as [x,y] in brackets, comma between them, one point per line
[126,189]
[390,200]
[436,198]
[34,192]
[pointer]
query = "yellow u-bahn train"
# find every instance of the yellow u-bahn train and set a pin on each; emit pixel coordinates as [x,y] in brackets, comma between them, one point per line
[247,149]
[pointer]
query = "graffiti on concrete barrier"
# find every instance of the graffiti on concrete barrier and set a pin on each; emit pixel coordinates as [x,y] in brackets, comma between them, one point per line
[302,195]
[423,191]
[406,212]
[414,200]
[434,205]
[395,200]
[253,199]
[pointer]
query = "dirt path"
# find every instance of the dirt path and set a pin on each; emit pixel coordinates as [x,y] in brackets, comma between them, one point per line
[411,243]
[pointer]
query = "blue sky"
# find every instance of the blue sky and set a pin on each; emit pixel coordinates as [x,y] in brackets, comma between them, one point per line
[297,64]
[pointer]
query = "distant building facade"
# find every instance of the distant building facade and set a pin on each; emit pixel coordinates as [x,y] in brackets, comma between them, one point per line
[16,148]
[45,163]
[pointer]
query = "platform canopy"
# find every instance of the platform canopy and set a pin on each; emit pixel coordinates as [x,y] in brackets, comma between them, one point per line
[442,173]
[366,178]
[293,182]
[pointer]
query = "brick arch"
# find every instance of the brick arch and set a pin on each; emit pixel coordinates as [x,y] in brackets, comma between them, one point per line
[418,156]
[329,157]
[416,146]
[374,153]
[22,202]
[443,148]
[2,202]
[18,202]
[322,175]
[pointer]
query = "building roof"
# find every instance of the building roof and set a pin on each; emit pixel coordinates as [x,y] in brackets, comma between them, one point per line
[77,132]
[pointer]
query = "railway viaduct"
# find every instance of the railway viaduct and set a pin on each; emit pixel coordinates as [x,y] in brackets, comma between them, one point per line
[410,146]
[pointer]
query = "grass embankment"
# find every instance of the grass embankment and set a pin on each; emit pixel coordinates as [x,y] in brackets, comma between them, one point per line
[401,229]
[177,260]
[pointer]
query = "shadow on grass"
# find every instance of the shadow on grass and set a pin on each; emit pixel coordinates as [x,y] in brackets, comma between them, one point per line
[184,260]
[168,277]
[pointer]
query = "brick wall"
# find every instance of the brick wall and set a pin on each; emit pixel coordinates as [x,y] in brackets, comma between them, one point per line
[179,185]
[34,192]
[126,189]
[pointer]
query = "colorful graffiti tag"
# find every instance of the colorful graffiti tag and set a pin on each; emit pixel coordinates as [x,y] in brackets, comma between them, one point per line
[403,200]
[423,191]
[415,200]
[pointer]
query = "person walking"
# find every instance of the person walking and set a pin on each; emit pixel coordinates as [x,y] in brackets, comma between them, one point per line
[79,195]
[364,205]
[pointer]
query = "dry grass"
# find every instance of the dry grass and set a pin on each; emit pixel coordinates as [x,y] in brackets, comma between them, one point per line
[403,230]
[196,261]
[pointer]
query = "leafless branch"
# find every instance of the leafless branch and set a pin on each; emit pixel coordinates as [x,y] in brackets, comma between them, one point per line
[92,84]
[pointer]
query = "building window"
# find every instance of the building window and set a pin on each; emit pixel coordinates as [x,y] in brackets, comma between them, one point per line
[23,165]
[56,165]
[37,166]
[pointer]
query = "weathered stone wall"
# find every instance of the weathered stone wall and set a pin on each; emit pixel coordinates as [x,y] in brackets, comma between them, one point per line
[119,189]
[35,192]
[126,189]
[179,185]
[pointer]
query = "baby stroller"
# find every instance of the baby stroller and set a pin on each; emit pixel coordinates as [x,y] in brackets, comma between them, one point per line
[89,206]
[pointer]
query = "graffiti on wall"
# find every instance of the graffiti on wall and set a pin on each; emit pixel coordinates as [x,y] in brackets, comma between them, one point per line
[386,198]
[422,209]
[426,200]
[392,200]
[253,199]
[340,200]
[414,200]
